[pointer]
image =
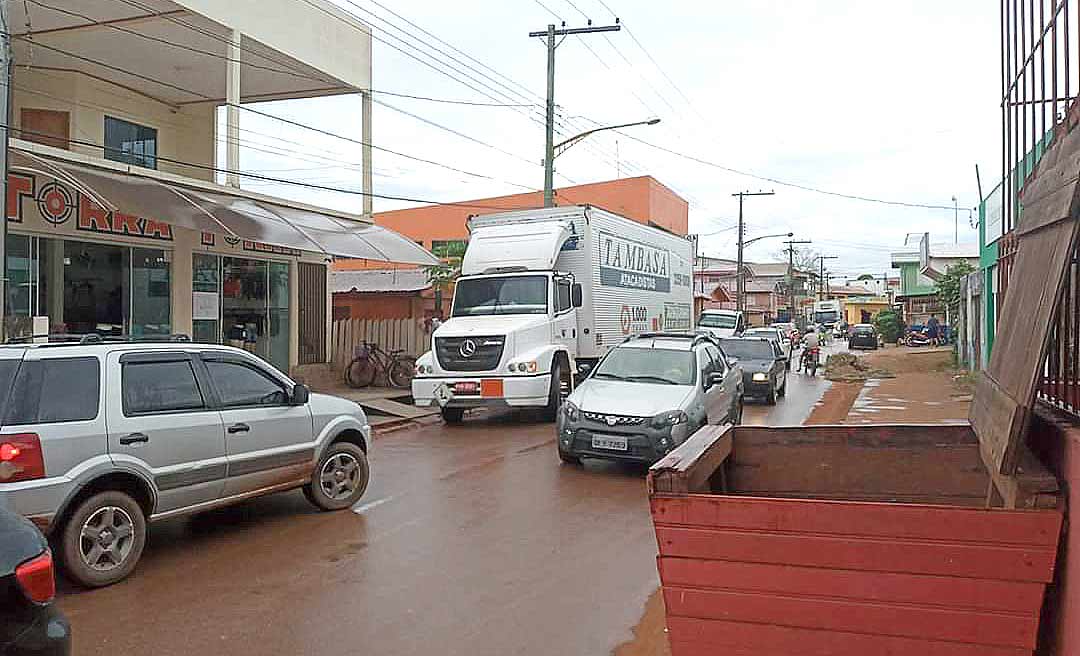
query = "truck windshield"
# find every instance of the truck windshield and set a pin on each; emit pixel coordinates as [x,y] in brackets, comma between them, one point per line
[827,316]
[717,321]
[648,365]
[475,297]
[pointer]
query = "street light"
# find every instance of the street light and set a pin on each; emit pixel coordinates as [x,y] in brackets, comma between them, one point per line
[823,290]
[566,144]
[740,286]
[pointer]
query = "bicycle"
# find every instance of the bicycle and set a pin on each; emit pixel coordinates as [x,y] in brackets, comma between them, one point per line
[369,360]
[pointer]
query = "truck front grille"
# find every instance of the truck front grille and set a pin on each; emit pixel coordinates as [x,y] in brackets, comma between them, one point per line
[469,353]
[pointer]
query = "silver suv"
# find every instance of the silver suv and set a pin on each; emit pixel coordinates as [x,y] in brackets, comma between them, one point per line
[98,439]
[647,396]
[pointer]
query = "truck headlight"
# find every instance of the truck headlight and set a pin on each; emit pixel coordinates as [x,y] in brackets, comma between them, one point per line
[760,377]
[571,411]
[669,418]
[523,367]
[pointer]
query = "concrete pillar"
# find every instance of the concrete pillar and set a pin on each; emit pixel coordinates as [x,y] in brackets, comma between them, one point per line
[54,263]
[365,116]
[294,314]
[232,110]
[180,281]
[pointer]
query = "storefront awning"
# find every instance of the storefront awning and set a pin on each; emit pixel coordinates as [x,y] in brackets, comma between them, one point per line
[232,215]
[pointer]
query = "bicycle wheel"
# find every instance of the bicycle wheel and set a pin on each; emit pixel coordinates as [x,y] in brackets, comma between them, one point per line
[361,371]
[401,371]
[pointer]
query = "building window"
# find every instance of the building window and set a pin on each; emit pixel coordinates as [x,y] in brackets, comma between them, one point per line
[130,143]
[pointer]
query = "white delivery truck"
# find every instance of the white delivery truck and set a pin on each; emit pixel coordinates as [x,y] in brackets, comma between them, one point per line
[543,294]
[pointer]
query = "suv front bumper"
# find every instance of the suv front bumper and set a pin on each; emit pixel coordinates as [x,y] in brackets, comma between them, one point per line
[517,391]
[643,442]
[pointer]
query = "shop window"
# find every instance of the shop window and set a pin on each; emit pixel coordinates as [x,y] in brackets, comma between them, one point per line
[206,298]
[130,143]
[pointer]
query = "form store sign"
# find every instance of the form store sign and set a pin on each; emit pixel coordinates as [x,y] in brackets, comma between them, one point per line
[61,208]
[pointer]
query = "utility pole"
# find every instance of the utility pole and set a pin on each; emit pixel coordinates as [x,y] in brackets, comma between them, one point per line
[791,275]
[740,279]
[549,144]
[823,292]
[6,66]
[956,221]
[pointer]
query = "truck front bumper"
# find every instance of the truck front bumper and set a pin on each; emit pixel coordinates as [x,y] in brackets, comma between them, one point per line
[516,391]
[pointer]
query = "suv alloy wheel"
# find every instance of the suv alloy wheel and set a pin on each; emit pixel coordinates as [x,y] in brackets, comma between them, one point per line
[102,540]
[340,478]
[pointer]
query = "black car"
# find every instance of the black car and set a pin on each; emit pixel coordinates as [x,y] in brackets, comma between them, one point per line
[763,364]
[863,335]
[30,623]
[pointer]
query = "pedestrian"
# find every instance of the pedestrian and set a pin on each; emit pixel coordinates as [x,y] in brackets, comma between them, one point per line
[933,329]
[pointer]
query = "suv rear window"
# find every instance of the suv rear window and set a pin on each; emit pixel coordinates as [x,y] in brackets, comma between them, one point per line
[55,390]
[161,386]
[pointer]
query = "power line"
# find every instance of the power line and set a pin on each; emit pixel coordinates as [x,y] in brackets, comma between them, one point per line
[266,178]
[783,182]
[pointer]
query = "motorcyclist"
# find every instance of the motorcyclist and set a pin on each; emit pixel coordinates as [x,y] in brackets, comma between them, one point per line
[810,342]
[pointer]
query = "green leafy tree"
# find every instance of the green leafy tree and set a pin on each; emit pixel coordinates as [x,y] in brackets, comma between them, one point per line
[948,287]
[888,324]
[440,276]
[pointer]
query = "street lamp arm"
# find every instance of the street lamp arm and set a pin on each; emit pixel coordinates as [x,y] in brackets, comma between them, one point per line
[565,145]
[783,234]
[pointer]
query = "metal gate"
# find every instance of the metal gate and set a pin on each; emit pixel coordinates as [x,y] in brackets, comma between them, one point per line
[311,281]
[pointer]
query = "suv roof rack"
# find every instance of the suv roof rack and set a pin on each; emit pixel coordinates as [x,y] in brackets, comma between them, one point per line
[71,339]
[695,337]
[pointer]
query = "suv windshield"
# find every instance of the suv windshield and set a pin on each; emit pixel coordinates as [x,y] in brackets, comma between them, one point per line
[717,321]
[648,365]
[504,295]
[748,349]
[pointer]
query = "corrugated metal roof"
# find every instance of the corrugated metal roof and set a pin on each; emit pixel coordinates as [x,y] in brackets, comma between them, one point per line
[379,280]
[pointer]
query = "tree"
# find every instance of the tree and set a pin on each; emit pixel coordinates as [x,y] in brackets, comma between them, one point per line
[889,326]
[948,286]
[441,275]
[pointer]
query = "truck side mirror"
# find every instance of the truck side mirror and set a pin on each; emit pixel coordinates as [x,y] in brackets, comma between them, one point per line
[575,294]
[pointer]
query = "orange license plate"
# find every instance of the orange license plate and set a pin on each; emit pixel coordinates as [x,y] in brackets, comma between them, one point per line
[491,387]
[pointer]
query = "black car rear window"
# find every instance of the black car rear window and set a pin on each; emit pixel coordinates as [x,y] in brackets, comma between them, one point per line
[748,349]
[864,330]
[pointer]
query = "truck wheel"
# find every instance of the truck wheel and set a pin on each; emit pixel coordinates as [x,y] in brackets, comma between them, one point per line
[103,539]
[340,478]
[453,415]
[557,391]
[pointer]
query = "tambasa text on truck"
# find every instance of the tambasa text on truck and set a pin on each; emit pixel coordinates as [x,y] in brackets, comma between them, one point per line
[543,294]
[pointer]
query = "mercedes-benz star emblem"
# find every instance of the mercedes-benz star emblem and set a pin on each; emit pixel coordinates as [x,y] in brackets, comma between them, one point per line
[611,421]
[468,348]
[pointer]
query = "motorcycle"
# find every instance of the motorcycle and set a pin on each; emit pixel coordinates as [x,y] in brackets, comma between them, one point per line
[917,339]
[810,357]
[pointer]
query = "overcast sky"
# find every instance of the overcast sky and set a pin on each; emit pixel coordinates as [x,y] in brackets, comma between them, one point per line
[895,101]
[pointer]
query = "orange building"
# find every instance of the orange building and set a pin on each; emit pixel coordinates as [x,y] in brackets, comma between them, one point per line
[643,199]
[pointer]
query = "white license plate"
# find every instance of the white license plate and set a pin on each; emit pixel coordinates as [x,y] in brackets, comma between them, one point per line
[612,442]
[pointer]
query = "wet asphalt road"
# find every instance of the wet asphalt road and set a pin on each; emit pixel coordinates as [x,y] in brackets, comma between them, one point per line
[472,540]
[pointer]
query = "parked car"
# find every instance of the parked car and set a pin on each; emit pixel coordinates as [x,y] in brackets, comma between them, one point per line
[722,323]
[29,621]
[647,396]
[763,365]
[863,335]
[190,427]
[777,336]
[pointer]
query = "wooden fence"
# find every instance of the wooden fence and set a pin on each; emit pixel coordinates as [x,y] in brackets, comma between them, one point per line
[390,334]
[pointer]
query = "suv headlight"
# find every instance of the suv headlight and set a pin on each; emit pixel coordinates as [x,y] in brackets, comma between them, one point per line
[571,411]
[669,418]
[760,377]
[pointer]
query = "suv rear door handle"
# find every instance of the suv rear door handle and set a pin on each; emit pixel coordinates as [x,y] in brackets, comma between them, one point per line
[239,428]
[134,438]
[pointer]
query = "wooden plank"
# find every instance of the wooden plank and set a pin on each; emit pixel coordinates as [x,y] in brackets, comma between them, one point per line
[900,620]
[1018,528]
[690,466]
[861,435]
[700,637]
[919,589]
[862,554]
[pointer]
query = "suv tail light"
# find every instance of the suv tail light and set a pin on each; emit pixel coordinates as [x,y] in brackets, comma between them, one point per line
[21,458]
[36,578]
